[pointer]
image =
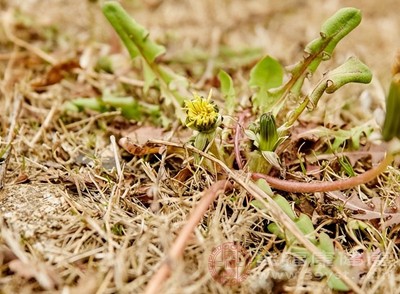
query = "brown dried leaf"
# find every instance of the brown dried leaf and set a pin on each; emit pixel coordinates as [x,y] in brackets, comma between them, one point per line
[183,175]
[56,74]
[22,178]
[136,149]
[146,149]
[143,134]
[375,210]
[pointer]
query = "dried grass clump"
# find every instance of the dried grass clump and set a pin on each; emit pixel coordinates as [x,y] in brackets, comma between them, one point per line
[80,215]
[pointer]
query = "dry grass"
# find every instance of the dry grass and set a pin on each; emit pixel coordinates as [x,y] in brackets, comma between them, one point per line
[80,215]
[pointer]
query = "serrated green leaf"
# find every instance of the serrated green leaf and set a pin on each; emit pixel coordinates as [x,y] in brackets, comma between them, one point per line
[228,91]
[134,36]
[334,29]
[340,136]
[352,71]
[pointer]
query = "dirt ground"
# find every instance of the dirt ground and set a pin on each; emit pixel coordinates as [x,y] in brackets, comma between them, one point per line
[70,223]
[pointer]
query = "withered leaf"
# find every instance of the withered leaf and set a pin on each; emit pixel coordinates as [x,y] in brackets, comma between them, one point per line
[56,74]
[375,210]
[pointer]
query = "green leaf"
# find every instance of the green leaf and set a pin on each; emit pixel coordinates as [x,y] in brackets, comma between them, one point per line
[263,185]
[326,245]
[134,36]
[149,77]
[306,226]
[352,71]
[333,30]
[228,91]
[265,75]
[258,204]
[93,103]
[341,261]
[136,40]
[276,230]
[129,107]
[340,136]
[285,206]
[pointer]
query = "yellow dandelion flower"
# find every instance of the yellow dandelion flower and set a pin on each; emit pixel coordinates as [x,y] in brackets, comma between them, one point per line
[202,114]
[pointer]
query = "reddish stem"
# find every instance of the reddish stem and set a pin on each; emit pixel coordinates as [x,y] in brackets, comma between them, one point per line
[301,187]
[179,245]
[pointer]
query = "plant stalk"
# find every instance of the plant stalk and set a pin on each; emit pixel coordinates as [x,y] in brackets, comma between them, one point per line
[301,187]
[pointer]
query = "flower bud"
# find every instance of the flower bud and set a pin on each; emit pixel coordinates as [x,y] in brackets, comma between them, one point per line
[202,114]
[268,132]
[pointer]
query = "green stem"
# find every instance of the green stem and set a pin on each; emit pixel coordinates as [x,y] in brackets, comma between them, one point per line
[295,115]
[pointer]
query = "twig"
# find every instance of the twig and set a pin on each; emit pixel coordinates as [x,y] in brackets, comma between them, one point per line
[301,187]
[179,245]
[44,126]
[10,137]
[275,210]
[236,142]
[115,151]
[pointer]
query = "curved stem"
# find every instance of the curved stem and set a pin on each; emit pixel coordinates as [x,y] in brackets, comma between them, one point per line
[179,245]
[302,187]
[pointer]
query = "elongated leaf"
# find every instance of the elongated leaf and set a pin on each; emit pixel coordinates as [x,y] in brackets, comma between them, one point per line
[326,245]
[228,91]
[333,30]
[134,36]
[352,71]
[149,77]
[391,127]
